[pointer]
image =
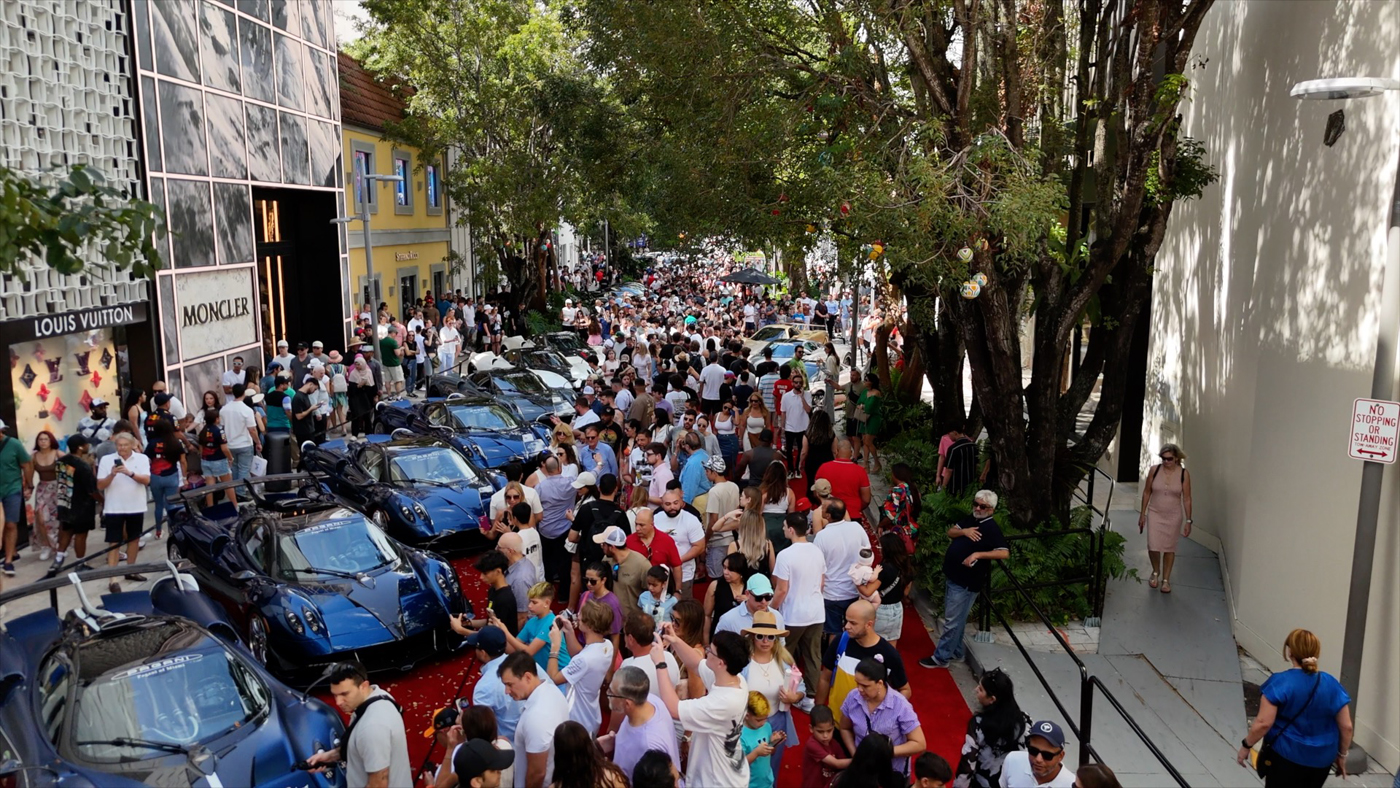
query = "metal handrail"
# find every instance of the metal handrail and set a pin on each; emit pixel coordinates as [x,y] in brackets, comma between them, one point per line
[1087,682]
[54,584]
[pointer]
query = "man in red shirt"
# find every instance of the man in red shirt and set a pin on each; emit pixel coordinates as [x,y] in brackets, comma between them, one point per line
[849,481]
[659,548]
[783,385]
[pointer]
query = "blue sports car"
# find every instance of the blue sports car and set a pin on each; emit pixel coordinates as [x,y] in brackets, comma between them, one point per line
[490,432]
[311,582]
[421,490]
[153,688]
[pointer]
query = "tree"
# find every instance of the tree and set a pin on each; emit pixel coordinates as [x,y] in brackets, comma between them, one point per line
[66,221]
[1035,142]
[499,85]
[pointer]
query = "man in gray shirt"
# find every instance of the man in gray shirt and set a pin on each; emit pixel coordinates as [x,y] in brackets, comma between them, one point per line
[557,496]
[375,746]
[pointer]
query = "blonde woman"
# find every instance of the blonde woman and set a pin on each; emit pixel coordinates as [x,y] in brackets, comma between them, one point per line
[755,419]
[751,537]
[640,500]
[1166,513]
[768,673]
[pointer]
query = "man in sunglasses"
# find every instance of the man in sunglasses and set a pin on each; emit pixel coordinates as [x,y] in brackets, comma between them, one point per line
[758,595]
[1041,764]
[977,541]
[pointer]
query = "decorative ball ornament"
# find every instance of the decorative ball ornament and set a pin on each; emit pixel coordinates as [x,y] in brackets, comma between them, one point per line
[776,211]
[970,290]
[877,248]
[811,228]
[845,209]
[965,254]
[979,279]
[982,245]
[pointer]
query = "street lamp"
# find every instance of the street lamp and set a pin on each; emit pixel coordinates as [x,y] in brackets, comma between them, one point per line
[1382,387]
[370,180]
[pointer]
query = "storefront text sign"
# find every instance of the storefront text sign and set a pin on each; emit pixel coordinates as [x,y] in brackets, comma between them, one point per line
[85,320]
[216,310]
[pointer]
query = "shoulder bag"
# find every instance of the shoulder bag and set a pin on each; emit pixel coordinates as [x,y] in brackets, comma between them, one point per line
[1265,760]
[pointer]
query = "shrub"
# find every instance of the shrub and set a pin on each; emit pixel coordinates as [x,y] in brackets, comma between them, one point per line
[538,323]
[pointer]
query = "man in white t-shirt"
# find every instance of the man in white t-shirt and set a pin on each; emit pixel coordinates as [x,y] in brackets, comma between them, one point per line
[711,378]
[232,377]
[687,532]
[240,427]
[722,499]
[796,407]
[591,656]
[449,342]
[798,576]
[715,720]
[638,633]
[284,355]
[124,476]
[544,709]
[749,314]
[840,542]
[1041,764]
[569,313]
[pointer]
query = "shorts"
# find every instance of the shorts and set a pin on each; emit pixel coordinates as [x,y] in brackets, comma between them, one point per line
[77,525]
[836,614]
[13,504]
[889,620]
[123,528]
[215,468]
[393,374]
[709,407]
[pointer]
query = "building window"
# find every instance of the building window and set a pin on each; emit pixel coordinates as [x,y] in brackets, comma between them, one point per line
[431,185]
[363,163]
[403,189]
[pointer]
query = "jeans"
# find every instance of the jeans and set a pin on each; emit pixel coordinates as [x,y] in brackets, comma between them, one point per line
[410,375]
[448,359]
[162,487]
[957,603]
[836,614]
[242,462]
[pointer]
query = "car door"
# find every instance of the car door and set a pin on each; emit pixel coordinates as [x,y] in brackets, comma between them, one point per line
[483,381]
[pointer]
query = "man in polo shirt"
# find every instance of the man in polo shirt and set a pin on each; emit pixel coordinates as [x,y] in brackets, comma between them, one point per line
[758,595]
[488,646]
[849,481]
[544,709]
[1041,764]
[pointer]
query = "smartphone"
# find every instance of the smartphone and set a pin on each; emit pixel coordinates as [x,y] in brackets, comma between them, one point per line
[117,463]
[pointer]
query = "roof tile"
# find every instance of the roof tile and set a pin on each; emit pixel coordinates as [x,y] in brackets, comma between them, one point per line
[366,100]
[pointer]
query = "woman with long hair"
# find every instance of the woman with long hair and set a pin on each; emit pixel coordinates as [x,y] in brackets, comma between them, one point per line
[892,579]
[725,593]
[777,500]
[688,618]
[167,453]
[1096,775]
[360,388]
[872,766]
[578,763]
[727,436]
[768,673]
[44,532]
[134,408]
[999,727]
[595,333]
[1166,513]
[215,457]
[870,405]
[209,400]
[818,444]
[1307,712]
[598,585]
[755,419]
[751,537]
[479,722]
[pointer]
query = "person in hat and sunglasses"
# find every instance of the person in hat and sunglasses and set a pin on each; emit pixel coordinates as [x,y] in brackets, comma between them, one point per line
[1041,764]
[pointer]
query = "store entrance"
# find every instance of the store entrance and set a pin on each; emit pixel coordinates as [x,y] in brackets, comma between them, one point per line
[298,256]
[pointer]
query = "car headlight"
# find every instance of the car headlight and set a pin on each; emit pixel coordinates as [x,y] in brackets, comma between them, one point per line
[406,512]
[294,622]
[420,511]
[534,446]
[448,585]
[314,621]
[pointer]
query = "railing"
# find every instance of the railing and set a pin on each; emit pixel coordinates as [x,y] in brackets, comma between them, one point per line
[1083,729]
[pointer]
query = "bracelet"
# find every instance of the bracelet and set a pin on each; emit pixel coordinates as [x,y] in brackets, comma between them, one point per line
[1245,743]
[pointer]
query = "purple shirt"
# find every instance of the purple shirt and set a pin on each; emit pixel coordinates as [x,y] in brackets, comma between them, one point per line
[894,717]
[611,601]
[657,733]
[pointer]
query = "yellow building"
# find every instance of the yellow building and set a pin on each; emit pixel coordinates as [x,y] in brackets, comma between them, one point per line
[408,219]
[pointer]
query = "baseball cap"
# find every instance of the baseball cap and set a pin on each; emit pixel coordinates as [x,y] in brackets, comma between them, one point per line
[585,479]
[318,343]
[588,390]
[2,424]
[1050,732]
[478,756]
[759,584]
[822,487]
[489,639]
[281,343]
[97,402]
[162,398]
[611,535]
[715,463]
[443,719]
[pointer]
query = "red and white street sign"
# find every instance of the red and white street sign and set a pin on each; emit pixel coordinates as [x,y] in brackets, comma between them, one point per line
[1375,430]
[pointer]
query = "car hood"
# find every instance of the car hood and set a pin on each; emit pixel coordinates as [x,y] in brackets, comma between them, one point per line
[500,448]
[390,603]
[451,508]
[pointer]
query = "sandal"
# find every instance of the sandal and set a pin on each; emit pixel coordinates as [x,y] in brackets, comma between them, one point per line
[1166,587]
[1152,581]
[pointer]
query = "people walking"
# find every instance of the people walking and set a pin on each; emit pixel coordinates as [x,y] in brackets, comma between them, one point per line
[1166,513]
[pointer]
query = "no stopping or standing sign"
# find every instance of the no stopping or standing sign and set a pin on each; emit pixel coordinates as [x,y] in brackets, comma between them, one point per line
[1375,430]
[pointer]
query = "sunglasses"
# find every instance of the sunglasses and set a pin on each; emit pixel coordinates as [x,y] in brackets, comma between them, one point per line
[1047,755]
[765,637]
[593,581]
[513,497]
[980,506]
[763,598]
[1167,458]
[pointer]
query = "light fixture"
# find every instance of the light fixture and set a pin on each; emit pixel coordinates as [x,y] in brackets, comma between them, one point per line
[1345,88]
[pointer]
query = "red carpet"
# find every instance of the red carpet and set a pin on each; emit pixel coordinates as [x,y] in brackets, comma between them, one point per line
[940,705]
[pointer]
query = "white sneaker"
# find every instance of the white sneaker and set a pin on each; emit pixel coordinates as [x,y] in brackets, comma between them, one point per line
[44,553]
[122,553]
[145,540]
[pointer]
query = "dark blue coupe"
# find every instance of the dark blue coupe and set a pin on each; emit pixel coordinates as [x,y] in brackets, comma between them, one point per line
[490,432]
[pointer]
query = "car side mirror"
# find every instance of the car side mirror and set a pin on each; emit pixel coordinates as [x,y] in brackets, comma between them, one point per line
[245,576]
[218,544]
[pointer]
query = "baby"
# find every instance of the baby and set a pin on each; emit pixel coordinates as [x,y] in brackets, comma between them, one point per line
[863,572]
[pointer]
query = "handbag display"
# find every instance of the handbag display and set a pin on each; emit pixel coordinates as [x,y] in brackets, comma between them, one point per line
[1265,760]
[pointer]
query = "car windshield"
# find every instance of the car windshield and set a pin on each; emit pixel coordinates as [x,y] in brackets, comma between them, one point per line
[352,545]
[430,464]
[566,342]
[483,417]
[553,379]
[769,332]
[185,690]
[781,350]
[521,381]
[544,358]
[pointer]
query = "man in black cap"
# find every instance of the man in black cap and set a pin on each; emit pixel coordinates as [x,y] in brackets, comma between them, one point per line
[446,731]
[478,764]
[1041,764]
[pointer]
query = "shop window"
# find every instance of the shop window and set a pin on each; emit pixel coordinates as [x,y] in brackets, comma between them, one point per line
[432,188]
[364,161]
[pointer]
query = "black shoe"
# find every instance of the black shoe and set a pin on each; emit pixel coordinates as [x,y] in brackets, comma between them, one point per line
[930,662]
[136,578]
[114,587]
[53,572]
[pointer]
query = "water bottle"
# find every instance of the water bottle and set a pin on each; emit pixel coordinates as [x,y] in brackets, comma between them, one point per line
[794,682]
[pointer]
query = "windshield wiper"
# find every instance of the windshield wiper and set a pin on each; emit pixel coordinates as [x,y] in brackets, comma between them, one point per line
[127,741]
[332,572]
[434,483]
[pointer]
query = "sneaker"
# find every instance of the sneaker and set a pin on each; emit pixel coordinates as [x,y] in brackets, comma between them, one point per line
[9,569]
[114,587]
[45,553]
[53,570]
[145,540]
[121,554]
[135,578]
[930,662]
[806,704]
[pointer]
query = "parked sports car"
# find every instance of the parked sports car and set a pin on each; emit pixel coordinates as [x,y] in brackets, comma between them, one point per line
[421,490]
[545,362]
[312,582]
[490,432]
[522,388]
[153,688]
[778,331]
[785,349]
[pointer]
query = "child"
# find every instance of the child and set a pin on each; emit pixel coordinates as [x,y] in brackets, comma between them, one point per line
[931,771]
[758,740]
[862,572]
[534,634]
[660,595]
[823,757]
[522,520]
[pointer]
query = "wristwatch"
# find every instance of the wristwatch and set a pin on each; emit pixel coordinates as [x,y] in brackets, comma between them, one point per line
[1245,743]
[661,665]
[1189,520]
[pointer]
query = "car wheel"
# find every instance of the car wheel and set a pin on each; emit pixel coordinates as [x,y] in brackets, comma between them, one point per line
[381,519]
[257,638]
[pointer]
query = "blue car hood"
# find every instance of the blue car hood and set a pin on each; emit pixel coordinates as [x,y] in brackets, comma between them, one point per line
[388,605]
[498,447]
[450,508]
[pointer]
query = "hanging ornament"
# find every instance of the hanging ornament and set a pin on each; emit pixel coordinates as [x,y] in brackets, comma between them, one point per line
[970,290]
[982,245]
[980,279]
[39,351]
[54,365]
[57,408]
[43,391]
[776,211]
[96,379]
[28,377]
[878,248]
[107,358]
[845,209]
[83,362]
[965,254]
[811,228]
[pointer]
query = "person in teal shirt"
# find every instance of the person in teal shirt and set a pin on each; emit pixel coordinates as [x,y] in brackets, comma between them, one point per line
[278,401]
[15,474]
[534,633]
[758,741]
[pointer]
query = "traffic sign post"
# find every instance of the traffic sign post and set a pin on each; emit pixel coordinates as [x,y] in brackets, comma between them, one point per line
[1375,431]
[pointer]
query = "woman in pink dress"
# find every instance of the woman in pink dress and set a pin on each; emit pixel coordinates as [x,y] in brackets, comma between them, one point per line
[1166,513]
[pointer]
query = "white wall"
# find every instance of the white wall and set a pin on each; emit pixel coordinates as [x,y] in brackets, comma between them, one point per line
[1264,328]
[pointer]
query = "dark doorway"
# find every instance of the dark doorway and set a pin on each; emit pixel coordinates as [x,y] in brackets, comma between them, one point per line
[298,254]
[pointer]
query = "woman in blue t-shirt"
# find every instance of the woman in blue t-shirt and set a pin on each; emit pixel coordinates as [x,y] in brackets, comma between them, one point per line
[1304,716]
